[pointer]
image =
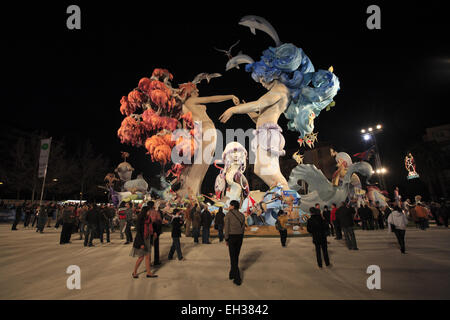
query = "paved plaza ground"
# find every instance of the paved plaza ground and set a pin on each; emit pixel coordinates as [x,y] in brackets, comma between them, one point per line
[33,266]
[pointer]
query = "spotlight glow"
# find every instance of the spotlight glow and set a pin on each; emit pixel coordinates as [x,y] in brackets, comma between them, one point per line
[366,137]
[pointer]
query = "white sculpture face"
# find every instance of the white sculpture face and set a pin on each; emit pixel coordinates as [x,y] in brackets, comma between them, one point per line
[235,154]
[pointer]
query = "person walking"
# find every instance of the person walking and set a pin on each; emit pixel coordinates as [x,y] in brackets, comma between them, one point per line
[318,227]
[337,222]
[104,223]
[196,223]
[129,221]
[51,212]
[374,216]
[156,217]
[142,247]
[81,214]
[28,212]
[346,221]
[206,224]
[327,215]
[68,218]
[42,218]
[18,216]
[177,222]
[234,228]
[92,220]
[219,222]
[380,219]
[421,213]
[281,226]
[122,221]
[397,222]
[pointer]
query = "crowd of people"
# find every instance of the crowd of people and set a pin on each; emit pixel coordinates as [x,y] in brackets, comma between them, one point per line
[92,221]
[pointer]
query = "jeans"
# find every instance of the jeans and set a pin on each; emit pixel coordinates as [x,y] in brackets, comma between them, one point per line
[234,249]
[205,234]
[324,248]
[27,219]
[89,234]
[283,237]
[111,224]
[82,229]
[128,232]
[350,237]
[196,234]
[220,231]
[122,224]
[175,246]
[34,220]
[400,234]
[104,227]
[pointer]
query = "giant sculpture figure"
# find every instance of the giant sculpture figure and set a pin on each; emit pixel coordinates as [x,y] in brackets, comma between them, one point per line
[294,88]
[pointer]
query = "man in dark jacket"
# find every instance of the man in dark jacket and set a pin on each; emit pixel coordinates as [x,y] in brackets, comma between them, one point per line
[346,221]
[129,218]
[177,222]
[337,225]
[234,234]
[18,216]
[318,227]
[196,222]
[327,215]
[219,222]
[68,218]
[206,224]
[104,223]
[364,213]
[92,220]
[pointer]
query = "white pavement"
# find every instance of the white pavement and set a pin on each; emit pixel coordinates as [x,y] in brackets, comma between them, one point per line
[33,266]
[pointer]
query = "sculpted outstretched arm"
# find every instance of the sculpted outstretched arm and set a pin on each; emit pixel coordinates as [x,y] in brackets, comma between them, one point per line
[267,100]
[212,99]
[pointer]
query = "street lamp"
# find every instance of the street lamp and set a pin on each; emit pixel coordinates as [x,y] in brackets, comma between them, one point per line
[371,132]
[55,180]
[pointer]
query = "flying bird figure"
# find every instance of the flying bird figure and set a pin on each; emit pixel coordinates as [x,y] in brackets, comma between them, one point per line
[228,52]
[255,22]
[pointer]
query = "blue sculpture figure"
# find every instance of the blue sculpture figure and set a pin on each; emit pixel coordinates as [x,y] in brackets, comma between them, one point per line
[310,91]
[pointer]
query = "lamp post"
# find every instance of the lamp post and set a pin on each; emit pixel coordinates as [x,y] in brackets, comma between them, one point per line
[368,134]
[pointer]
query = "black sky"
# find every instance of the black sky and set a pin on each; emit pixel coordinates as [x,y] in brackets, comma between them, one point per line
[69,82]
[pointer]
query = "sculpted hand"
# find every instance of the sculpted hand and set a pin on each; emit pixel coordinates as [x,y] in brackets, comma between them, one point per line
[226,115]
[235,100]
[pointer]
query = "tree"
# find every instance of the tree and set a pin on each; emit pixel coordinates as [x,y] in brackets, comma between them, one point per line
[90,170]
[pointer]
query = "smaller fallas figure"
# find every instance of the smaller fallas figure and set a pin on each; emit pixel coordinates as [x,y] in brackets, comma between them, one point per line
[410,166]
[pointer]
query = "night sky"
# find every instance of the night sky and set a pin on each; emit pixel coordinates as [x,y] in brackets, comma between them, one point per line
[70,82]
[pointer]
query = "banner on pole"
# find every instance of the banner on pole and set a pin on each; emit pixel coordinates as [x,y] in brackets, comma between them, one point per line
[43,157]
